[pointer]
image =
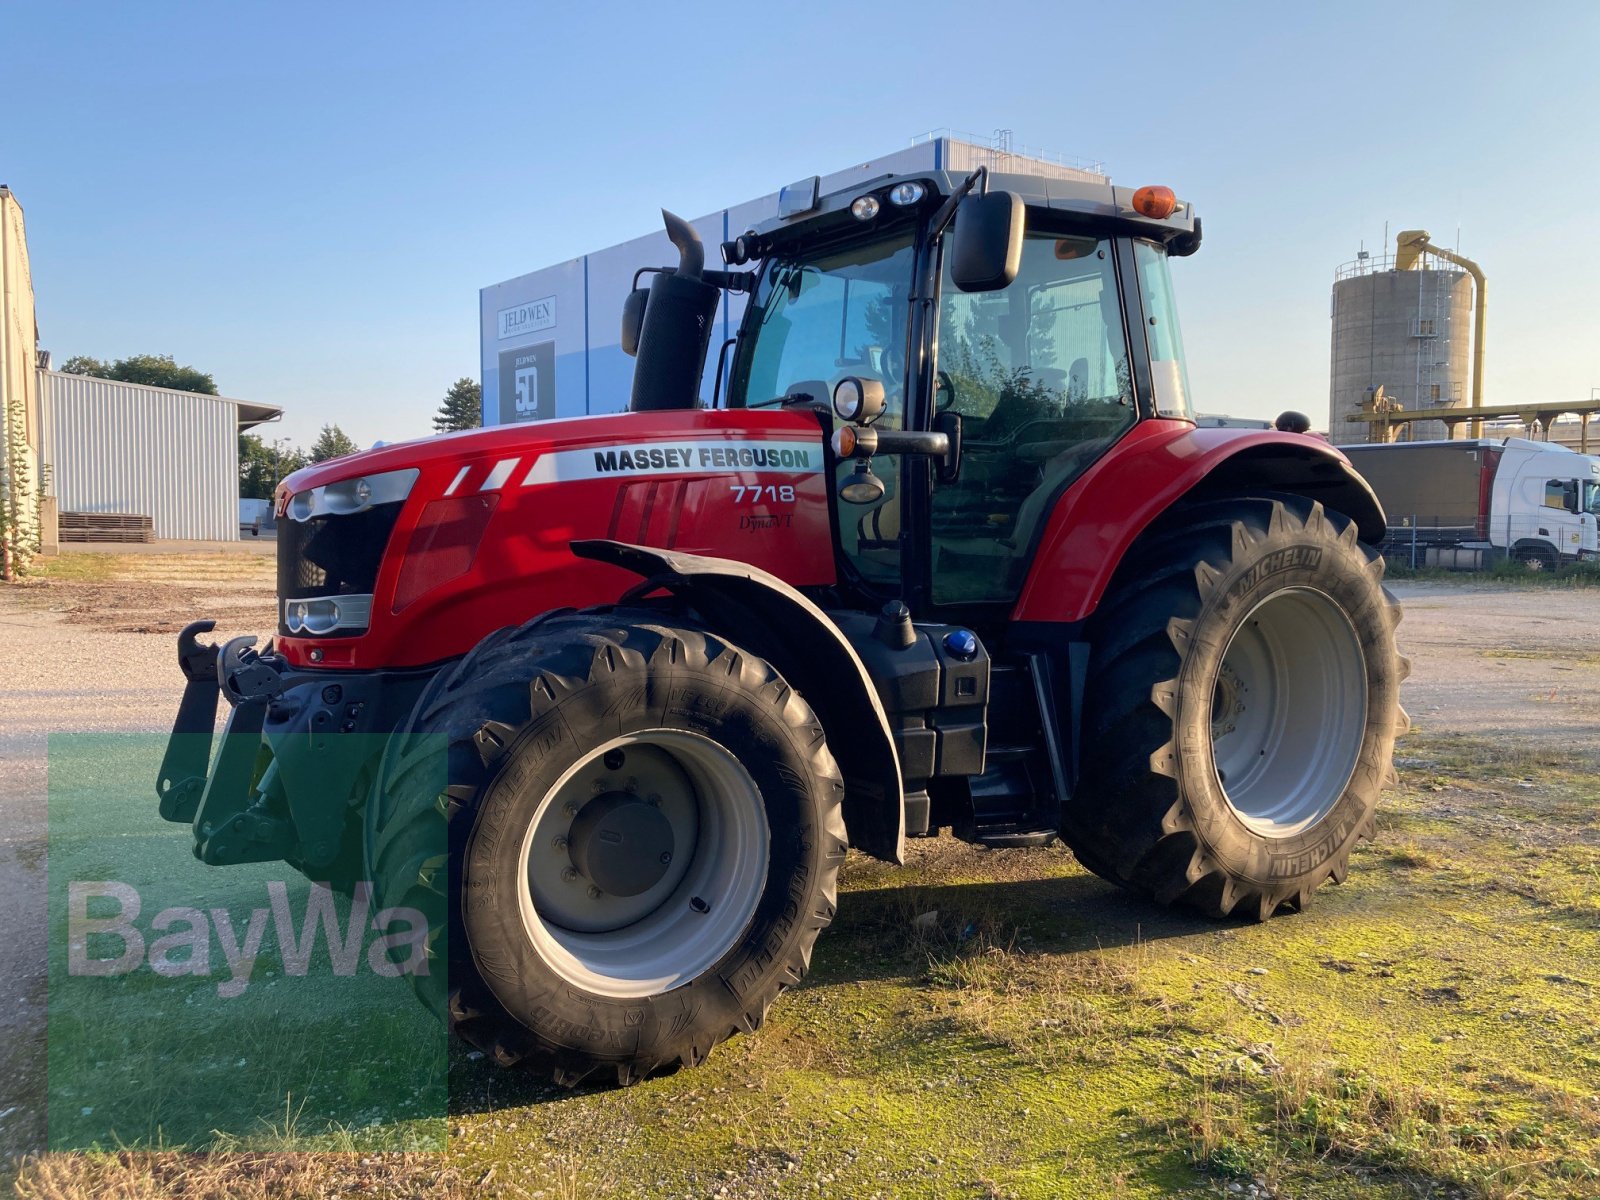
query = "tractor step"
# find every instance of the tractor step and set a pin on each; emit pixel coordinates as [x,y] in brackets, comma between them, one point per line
[1013,837]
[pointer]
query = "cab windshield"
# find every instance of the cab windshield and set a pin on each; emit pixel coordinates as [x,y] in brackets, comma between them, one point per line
[818,319]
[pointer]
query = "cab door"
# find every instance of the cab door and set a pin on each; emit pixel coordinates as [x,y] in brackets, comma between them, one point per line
[1040,375]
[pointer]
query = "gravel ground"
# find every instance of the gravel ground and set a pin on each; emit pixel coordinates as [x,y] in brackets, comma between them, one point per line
[1513,663]
[97,655]
[87,656]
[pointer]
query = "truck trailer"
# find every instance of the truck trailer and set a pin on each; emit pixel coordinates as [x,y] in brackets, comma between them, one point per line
[1465,505]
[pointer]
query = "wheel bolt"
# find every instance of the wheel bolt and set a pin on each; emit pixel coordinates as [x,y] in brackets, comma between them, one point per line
[594,892]
[632,785]
[568,875]
[559,842]
[653,800]
[570,809]
[600,785]
[666,857]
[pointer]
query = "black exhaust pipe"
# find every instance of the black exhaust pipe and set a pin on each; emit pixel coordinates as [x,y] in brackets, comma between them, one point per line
[677,327]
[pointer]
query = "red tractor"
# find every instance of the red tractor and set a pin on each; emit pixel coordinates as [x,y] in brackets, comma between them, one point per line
[947,552]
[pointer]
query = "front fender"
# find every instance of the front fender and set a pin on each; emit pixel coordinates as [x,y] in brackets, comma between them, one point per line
[1157,465]
[768,617]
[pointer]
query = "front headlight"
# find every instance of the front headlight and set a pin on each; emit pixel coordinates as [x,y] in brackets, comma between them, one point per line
[319,615]
[353,495]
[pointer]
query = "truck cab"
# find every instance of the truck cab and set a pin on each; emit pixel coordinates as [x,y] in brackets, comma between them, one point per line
[1545,505]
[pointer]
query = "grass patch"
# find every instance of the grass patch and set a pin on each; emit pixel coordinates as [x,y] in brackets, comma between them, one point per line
[1506,572]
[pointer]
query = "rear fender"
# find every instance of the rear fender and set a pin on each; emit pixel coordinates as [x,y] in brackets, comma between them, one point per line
[766,616]
[1156,466]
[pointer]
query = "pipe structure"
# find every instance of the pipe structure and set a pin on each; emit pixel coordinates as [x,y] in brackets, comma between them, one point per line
[1410,246]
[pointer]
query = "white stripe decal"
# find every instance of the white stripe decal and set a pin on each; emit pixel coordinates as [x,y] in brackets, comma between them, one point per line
[700,456]
[501,473]
[460,478]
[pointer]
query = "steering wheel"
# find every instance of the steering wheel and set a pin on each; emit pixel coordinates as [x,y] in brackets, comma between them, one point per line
[948,387]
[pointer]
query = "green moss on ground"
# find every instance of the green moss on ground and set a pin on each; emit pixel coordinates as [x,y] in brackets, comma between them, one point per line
[1003,1024]
[1427,1028]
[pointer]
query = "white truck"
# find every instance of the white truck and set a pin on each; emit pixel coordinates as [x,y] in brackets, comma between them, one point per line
[1466,504]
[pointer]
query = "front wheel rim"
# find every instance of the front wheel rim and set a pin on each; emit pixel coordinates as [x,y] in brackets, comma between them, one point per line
[698,817]
[1289,712]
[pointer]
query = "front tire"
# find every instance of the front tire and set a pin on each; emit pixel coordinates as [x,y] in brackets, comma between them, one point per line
[1536,558]
[1242,706]
[643,832]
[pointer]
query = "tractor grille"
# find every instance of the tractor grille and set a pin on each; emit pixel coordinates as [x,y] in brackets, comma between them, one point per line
[333,555]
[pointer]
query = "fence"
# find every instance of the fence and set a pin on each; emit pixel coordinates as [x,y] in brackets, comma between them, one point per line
[1459,541]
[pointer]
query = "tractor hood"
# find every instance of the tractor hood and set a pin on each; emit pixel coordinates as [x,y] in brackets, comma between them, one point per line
[409,554]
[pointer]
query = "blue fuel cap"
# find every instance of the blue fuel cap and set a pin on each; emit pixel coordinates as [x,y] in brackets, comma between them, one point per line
[962,643]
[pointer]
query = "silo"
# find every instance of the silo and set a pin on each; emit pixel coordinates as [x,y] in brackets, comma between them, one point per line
[1408,332]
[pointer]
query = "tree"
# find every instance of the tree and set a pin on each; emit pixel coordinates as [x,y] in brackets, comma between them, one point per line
[462,407]
[332,442]
[261,466]
[152,370]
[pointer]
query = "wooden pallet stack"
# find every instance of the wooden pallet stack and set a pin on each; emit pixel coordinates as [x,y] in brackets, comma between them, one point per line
[105,527]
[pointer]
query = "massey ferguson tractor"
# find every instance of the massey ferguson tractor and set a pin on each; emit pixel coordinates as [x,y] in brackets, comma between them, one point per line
[606,700]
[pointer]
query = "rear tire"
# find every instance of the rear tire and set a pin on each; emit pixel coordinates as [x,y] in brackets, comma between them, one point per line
[1241,708]
[569,742]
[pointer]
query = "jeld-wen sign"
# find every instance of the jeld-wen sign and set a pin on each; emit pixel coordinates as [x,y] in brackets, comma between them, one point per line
[528,318]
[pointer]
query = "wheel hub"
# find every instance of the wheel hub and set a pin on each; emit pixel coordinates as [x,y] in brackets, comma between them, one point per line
[1288,711]
[644,862]
[621,843]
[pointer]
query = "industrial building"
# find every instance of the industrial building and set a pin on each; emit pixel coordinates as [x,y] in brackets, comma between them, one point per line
[118,461]
[124,449]
[550,340]
[1404,328]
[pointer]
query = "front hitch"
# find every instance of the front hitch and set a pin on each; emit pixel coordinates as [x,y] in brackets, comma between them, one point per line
[229,821]
[183,768]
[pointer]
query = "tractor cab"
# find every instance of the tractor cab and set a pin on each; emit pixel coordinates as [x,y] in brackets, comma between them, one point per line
[1021,325]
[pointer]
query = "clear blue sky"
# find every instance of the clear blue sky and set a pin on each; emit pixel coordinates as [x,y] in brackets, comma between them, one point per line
[305,200]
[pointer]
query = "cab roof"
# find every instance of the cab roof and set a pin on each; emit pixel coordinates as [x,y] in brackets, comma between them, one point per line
[1102,201]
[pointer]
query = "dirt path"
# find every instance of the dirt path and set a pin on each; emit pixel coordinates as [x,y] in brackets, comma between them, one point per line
[1512,663]
[89,649]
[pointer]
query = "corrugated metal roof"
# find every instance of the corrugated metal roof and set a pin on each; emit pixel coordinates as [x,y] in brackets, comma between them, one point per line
[126,448]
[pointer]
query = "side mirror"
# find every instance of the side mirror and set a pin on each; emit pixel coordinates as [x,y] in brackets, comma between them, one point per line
[986,249]
[633,320]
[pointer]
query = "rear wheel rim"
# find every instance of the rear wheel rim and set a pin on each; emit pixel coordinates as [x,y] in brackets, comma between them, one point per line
[1289,712]
[670,816]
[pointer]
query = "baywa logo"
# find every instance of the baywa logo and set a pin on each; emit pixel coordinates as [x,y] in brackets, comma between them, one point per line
[110,941]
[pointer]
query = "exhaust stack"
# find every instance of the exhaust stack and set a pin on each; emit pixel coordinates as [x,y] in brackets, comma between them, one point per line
[677,327]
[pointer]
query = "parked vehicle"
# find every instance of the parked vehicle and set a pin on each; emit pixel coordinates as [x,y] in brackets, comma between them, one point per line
[950,554]
[1464,504]
[255,516]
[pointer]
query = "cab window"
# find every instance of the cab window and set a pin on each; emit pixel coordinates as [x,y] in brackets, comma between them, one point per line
[1168,372]
[815,320]
[1561,493]
[1039,374]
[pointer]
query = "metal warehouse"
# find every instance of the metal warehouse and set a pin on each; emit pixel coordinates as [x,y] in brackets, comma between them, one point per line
[550,340]
[125,448]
